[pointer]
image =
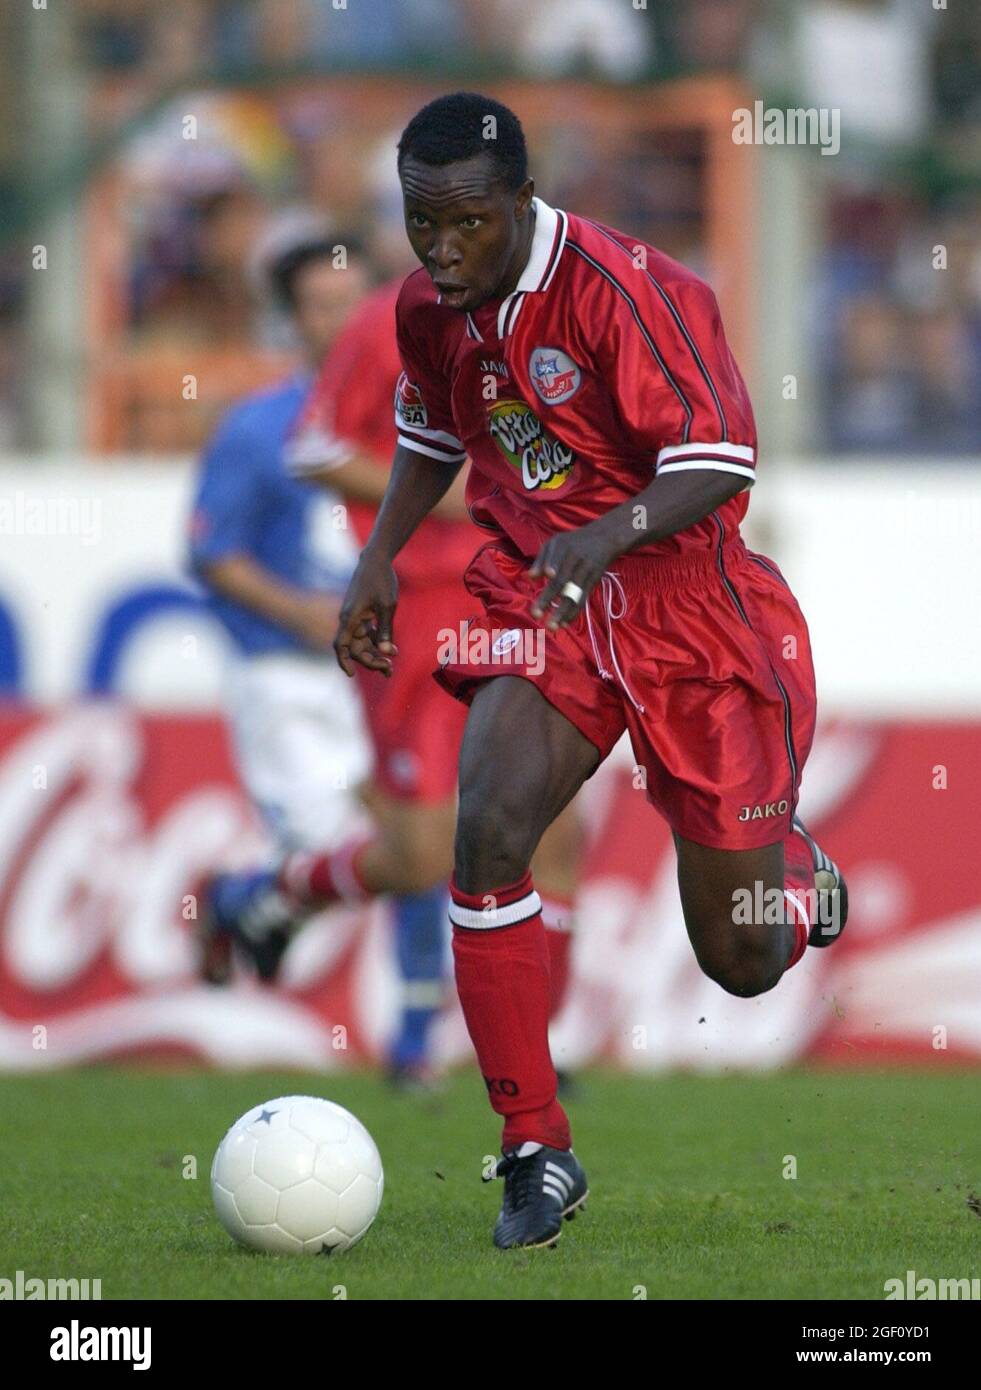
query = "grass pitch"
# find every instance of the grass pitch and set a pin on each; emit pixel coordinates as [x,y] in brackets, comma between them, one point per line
[689,1198]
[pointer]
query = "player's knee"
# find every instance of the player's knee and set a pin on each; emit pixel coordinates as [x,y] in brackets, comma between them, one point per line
[741,967]
[492,841]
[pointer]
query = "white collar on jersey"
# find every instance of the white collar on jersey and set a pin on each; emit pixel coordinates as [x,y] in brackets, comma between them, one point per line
[547,242]
[538,273]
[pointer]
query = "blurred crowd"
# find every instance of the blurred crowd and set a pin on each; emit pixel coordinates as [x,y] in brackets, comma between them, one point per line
[612,38]
[895,304]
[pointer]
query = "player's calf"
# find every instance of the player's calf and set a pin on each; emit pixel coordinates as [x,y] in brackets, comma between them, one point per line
[743,948]
[751,914]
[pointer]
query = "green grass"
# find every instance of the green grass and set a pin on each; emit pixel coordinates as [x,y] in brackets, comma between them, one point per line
[688,1194]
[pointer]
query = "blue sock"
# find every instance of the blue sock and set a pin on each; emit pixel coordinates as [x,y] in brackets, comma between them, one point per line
[421,934]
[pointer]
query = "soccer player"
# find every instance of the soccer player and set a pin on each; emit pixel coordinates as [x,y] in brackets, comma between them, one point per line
[274,563]
[340,433]
[612,446]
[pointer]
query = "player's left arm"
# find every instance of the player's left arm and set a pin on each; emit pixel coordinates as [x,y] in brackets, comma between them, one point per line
[669,504]
[684,403]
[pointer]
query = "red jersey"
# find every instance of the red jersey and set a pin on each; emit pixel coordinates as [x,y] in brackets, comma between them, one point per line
[350,410]
[606,364]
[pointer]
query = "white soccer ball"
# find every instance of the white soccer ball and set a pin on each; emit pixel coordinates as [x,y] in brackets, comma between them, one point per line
[297,1175]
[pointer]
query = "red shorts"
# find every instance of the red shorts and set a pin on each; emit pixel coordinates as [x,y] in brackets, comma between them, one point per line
[704,658]
[414,729]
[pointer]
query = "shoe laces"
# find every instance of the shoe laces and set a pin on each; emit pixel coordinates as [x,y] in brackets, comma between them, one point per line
[518,1174]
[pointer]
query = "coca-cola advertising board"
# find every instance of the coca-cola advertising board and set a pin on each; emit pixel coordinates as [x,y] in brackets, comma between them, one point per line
[118,793]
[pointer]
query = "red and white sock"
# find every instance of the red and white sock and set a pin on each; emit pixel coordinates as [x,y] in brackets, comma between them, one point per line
[317,879]
[557,916]
[501,957]
[798,890]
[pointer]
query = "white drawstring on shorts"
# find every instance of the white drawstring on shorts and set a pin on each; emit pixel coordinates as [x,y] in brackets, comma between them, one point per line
[609,583]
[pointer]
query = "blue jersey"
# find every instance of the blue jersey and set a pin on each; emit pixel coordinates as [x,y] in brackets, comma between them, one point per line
[247,504]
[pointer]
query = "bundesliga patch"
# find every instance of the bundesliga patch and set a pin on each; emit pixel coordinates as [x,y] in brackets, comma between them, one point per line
[409,405]
[553,374]
[542,460]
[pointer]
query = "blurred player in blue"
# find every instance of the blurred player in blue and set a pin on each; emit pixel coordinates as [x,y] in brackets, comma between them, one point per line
[275,556]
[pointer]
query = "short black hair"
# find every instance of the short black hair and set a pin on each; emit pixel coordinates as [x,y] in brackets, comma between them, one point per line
[286,267]
[455,127]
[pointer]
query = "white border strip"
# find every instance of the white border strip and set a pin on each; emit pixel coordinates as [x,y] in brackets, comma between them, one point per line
[482,919]
[802,913]
[713,465]
[729,451]
[433,453]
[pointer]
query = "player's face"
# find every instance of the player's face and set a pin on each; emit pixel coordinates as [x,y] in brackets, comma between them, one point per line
[323,296]
[471,234]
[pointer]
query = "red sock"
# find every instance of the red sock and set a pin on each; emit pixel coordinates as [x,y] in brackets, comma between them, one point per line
[798,888]
[502,977]
[557,916]
[319,879]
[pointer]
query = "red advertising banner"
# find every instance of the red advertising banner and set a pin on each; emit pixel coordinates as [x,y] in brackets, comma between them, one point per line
[110,817]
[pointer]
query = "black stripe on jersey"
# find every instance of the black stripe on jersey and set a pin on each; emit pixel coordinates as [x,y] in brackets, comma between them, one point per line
[436,448]
[788,731]
[512,310]
[516,298]
[607,275]
[681,324]
[560,229]
[763,564]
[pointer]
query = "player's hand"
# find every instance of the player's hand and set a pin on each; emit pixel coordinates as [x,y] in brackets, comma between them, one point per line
[364,633]
[315,620]
[572,557]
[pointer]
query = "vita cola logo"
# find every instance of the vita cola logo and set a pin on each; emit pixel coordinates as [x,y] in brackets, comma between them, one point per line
[542,460]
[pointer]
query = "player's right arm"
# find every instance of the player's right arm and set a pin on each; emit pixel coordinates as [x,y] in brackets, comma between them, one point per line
[310,616]
[415,486]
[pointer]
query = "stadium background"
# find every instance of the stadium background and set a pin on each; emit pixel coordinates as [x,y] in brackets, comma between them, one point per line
[129,268]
